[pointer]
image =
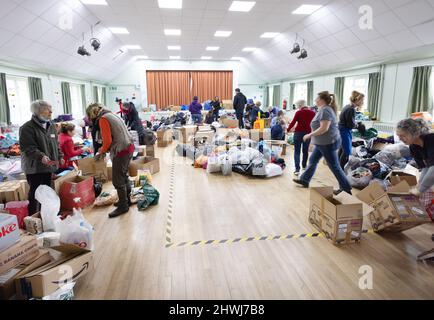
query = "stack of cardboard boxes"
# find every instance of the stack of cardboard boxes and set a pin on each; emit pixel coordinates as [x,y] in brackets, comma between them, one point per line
[341,217]
[28,271]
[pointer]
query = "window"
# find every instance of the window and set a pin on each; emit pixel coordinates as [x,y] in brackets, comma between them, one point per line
[300,92]
[19,99]
[357,83]
[76,101]
[270,95]
[100,94]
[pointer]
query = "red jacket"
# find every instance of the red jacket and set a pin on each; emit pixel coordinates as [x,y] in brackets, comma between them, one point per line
[303,118]
[68,149]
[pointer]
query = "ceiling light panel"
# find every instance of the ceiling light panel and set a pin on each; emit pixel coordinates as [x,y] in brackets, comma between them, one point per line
[170,4]
[174,48]
[223,34]
[270,35]
[307,9]
[242,6]
[95,2]
[119,30]
[172,32]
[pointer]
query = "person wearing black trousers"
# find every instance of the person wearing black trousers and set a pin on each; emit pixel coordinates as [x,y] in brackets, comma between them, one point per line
[40,152]
[240,102]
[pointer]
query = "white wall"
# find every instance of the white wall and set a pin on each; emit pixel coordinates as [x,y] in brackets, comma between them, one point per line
[135,75]
[396,92]
[51,86]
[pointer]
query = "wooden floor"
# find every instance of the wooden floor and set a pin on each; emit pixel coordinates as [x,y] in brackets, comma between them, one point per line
[132,261]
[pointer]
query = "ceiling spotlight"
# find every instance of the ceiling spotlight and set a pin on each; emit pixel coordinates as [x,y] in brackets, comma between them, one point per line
[303,54]
[83,51]
[296,48]
[95,43]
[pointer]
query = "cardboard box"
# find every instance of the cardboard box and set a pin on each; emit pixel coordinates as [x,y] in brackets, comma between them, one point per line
[164,138]
[141,150]
[228,104]
[279,144]
[396,210]
[144,163]
[67,177]
[13,191]
[188,133]
[33,224]
[26,248]
[267,123]
[150,152]
[340,217]
[229,123]
[92,168]
[70,263]
[257,135]
[9,231]
[78,193]
[7,280]
[395,177]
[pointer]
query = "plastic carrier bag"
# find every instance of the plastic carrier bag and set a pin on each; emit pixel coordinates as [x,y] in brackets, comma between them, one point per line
[152,197]
[50,206]
[75,230]
[360,178]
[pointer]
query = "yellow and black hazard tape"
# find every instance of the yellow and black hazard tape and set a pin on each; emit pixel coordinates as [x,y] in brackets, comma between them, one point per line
[170,210]
[249,239]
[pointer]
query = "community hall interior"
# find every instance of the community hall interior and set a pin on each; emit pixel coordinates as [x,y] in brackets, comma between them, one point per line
[216,150]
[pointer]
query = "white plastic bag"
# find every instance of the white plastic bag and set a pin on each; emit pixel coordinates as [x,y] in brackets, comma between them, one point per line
[226,164]
[76,230]
[213,165]
[50,206]
[273,170]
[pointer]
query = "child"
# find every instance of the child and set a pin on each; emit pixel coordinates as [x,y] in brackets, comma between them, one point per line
[210,117]
[278,130]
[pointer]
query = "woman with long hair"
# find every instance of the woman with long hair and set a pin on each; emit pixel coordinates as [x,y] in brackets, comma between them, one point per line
[326,138]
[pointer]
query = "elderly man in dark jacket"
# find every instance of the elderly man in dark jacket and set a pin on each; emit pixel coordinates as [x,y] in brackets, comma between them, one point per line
[40,152]
[240,102]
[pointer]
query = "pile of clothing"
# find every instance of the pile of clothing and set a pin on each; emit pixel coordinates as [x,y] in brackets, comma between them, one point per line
[176,121]
[243,156]
[368,164]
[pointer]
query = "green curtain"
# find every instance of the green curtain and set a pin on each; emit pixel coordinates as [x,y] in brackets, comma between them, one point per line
[421,95]
[83,97]
[266,98]
[95,94]
[291,94]
[4,101]
[104,96]
[66,98]
[310,93]
[35,88]
[339,90]
[276,96]
[374,89]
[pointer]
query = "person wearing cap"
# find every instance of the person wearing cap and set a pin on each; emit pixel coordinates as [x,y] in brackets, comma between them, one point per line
[240,102]
[40,152]
[196,111]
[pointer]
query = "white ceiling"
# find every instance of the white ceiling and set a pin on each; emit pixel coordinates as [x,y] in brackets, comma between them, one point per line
[35,34]
[29,31]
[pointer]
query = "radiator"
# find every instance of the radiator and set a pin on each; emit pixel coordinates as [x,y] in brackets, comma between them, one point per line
[385,127]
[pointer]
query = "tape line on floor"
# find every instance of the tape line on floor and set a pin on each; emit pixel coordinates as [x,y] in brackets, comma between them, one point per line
[201,243]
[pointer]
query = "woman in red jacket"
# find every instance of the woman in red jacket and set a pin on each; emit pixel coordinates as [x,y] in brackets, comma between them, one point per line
[69,150]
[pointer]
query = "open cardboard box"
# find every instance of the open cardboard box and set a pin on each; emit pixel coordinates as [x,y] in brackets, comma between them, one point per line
[395,177]
[340,217]
[67,177]
[17,254]
[7,280]
[144,163]
[68,265]
[92,168]
[395,210]
[277,144]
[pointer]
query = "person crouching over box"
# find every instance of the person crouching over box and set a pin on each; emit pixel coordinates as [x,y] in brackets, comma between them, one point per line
[117,140]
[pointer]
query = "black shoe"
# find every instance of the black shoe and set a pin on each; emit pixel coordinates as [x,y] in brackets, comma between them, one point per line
[119,212]
[297,173]
[116,204]
[301,183]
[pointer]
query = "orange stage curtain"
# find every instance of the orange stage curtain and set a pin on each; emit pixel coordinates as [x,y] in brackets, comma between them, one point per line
[166,88]
[208,84]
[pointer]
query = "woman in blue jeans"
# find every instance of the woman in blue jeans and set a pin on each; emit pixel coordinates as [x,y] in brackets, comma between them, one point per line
[303,119]
[326,138]
[347,122]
